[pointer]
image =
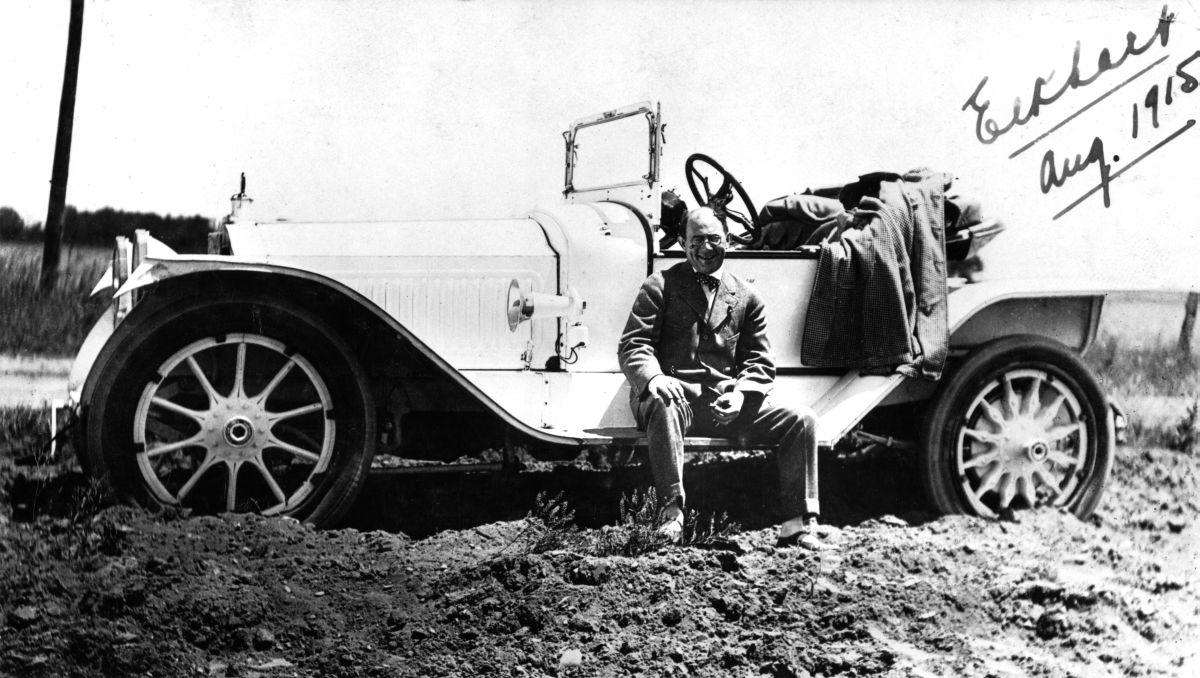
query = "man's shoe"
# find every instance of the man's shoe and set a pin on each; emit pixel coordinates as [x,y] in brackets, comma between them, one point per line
[799,532]
[671,527]
[803,539]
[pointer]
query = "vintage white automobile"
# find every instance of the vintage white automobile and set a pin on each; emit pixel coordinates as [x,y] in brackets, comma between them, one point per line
[266,375]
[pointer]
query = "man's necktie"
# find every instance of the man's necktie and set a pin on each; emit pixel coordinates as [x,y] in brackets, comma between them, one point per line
[708,281]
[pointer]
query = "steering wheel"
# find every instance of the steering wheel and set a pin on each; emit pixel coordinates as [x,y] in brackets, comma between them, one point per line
[725,200]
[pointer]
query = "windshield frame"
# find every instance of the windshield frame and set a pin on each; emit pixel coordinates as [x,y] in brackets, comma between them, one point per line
[653,113]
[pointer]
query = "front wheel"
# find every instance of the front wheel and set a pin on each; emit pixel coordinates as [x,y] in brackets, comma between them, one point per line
[247,406]
[1021,423]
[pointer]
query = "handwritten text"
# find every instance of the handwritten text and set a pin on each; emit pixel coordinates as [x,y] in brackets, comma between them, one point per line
[988,130]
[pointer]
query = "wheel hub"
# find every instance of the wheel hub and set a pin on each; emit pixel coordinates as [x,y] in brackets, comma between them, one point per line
[1037,451]
[238,431]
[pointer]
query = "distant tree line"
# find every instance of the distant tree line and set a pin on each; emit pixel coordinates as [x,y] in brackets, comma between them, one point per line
[99,227]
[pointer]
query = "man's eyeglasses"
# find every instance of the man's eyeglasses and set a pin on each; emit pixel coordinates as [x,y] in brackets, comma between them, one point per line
[700,240]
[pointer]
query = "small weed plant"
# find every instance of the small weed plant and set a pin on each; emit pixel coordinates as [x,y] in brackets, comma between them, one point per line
[24,430]
[637,530]
[1186,436]
[84,532]
[550,526]
[61,507]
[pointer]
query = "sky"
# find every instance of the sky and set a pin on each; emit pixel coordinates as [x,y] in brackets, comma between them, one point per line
[435,110]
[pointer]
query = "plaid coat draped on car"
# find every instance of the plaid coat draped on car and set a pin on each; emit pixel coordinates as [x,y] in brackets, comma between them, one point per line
[879,298]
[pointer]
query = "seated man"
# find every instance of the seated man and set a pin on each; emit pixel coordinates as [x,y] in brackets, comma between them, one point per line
[696,319]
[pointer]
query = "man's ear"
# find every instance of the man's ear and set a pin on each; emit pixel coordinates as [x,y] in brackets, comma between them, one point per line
[682,242]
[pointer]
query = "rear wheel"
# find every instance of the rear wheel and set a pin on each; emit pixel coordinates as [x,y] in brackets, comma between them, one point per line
[247,406]
[1021,423]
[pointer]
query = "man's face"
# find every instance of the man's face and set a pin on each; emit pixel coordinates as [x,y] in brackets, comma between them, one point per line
[705,241]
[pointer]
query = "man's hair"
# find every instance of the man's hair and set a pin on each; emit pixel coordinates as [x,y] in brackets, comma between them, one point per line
[695,214]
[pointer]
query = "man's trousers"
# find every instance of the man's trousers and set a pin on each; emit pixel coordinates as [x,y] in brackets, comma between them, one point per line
[792,429]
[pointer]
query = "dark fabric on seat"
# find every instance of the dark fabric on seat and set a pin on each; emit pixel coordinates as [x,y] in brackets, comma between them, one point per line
[790,221]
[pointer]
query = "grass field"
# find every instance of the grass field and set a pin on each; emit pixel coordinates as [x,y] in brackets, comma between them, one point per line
[53,324]
[1145,320]
[1137,359]
[1136,351]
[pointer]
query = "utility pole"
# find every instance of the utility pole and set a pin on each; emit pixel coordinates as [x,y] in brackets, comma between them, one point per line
[1189,324]
[62,151]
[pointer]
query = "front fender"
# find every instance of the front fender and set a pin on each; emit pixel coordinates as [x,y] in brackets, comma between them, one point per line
[146,274]
[218,275]
[96,338]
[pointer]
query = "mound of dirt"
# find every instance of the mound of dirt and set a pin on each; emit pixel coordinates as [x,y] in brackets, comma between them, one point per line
[124,592]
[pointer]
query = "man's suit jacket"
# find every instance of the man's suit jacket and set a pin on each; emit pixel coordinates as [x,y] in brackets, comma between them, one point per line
[670,329]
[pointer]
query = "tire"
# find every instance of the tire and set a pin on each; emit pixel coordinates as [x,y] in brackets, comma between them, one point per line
[1021,423]
[246,405]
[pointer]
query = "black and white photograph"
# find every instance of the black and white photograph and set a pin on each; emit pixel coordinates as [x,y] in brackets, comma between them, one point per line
[613,338]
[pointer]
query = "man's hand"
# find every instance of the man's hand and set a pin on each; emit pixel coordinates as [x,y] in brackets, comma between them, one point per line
[667,389]
[728,406]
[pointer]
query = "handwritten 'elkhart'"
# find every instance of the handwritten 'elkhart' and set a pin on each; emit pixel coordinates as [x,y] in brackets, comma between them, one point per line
[987,130]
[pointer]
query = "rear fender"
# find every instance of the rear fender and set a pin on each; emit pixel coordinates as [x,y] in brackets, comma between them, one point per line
[1068,313]
[374,335]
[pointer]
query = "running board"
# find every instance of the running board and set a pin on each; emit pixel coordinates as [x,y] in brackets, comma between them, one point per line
[839,410]
[432,469]
[848,401]
[632,437]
